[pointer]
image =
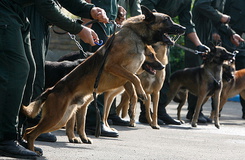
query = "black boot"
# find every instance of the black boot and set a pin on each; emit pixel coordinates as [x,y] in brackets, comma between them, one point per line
[37,149]
[11,148]
[142,117]
[201,118]
[116,120]
[167,119]
[105,131]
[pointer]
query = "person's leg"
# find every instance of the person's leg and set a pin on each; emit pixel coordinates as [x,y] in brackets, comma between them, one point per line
[162,113]
[14,70]
[39,42]
[91,119]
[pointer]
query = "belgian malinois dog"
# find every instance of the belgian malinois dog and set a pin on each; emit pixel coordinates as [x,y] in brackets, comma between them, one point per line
[181,96]
[232,86]
[152,83]
[203,81]
[125,56]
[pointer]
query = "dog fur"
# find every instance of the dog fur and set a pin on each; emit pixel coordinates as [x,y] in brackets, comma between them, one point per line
[203,81]
[126,55]
[152,83]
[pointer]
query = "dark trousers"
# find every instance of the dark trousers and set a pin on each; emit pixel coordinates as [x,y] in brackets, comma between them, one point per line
[15,62]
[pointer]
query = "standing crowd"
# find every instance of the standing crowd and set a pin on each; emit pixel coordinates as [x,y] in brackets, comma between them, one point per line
[24,39]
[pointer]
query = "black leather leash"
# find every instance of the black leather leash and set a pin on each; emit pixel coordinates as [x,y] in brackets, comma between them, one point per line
[98,117]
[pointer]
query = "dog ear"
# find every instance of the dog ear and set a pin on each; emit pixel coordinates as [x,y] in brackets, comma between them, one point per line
[149,16]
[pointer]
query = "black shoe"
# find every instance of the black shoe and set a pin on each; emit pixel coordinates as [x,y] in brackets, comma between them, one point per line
[142,119]
[206,118]
[201,118]
[47,137]
[12,148]
[168,120]
[116,120]
[105,131]
[37,149]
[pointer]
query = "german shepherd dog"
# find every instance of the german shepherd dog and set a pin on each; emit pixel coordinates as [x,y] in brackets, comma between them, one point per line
[152,83]
[125,56]
[203,81]
[182,95]
[54,71]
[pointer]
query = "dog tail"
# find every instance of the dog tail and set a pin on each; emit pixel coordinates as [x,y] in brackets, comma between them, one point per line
[35,107]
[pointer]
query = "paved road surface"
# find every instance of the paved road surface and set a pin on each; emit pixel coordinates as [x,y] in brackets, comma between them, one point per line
[170,142]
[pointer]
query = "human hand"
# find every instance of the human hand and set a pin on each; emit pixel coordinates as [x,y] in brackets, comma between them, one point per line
[99,14]
[88,36]
[203,48]
[236,39]
[121,15]
[225,18]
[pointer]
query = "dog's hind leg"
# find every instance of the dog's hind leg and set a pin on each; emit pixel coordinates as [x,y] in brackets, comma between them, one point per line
[123,105]
[81,119]
[132,95]
[181,98]
[108,100]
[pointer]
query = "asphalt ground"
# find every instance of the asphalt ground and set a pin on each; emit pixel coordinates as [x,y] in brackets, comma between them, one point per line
[183,142]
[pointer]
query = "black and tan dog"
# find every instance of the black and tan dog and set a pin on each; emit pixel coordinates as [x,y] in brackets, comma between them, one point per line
[125,57]
[203,81]
[181,96]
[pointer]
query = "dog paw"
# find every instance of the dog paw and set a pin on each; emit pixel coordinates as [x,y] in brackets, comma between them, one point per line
[132,124]
[217,126]
[194,124]
[87,140]
[74,140]
[155,127]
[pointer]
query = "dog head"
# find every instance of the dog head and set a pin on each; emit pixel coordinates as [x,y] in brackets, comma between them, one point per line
[163,26]
[218,54]
[151,63]
[228,72]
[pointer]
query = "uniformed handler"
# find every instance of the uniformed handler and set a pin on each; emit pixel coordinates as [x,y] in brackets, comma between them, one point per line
[17,67]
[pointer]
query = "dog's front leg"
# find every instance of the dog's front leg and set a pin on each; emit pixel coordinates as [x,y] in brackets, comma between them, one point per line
[70,125]
[200,101]
[216,102]
[155,99]
[119,71]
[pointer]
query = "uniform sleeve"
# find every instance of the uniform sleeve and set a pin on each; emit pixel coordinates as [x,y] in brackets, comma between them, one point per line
[206,9]
[51,11]
[150,3]
[77,7]
[185,18]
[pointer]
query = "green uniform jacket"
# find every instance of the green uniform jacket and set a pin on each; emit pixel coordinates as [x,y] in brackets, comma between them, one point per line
[173,8]
[206,16]
[51,11]
[235,8]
